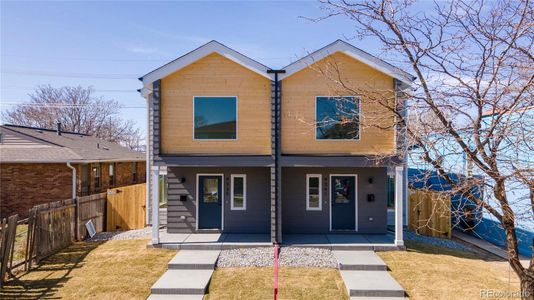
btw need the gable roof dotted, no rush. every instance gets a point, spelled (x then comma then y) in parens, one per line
(32, 144)
(200, 52)
(247, 62)
(354, 52)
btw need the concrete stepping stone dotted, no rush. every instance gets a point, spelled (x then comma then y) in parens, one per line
(194, 259)
(182, 282)
(359, 261)
(371, 284)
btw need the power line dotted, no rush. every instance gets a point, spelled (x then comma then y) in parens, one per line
(55, 105)
(121, 59)
(27, 88)
(72, 75)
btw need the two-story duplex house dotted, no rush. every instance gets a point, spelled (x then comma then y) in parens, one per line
(247, 149)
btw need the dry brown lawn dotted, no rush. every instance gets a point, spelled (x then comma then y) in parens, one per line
(110, 270)
(429, 272)
(295, 283)
(127, 270)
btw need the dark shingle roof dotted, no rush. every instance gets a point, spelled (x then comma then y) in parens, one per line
(30, 144)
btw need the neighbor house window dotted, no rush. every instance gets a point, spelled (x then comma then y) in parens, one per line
(337, 118)
(239, 192)
(134, 172)
(313, 192)
(112, 174)
(215, 118)
(97, 175)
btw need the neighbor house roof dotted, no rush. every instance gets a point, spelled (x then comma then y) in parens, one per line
(31, 145)
(249, 63)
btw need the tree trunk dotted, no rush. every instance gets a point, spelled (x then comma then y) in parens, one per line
(527, 286)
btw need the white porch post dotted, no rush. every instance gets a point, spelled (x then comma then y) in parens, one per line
(155, 204)
(399, 205)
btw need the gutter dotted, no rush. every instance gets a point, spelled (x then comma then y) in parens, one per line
(73, 179)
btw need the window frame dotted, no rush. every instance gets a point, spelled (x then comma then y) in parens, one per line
(98, 179)
(112, 177)
(232, 206)
(320, 177)
(236, 118)
(359, 119)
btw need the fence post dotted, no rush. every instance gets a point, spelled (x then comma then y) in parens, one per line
(77, 219)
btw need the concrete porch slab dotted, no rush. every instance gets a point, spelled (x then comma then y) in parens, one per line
(359, 260)
(306, 240)
(371, 284)
(182, 282)
(246, 240)
(194, 259)
(380, 238)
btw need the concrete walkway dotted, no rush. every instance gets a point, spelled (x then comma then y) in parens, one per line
(366, 277)
(187, 277)
(189, 273)
(221, 241)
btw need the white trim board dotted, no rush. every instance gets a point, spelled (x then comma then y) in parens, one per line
(355, 198)
(197, 200)
(232, 206)
(201, 52)
(354, 52)
(308, 176)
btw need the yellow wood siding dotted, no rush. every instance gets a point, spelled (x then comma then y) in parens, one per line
(215, 75)
(298, 107)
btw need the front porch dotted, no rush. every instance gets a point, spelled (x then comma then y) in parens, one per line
(218, 241)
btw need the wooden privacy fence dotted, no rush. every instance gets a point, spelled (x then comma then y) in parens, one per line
(429, 213)
(54, 226)
(126, 207)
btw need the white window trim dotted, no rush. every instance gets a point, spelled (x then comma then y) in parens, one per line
(236, 118)
(308, 176)
(339, 140)
(244, 176)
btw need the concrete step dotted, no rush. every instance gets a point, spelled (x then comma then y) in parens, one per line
(377, 298)
(194, 259)
(182, 282)
(359, 261)
(175, 297)
(371, 284)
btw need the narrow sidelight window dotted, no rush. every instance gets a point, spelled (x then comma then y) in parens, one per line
(313, 192)
(337, 118)
(97, 175)
(239, 192)
(215, 118)
(134, 172)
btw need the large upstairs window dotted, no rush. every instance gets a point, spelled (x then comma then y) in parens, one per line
(215, 118)
(337, 118)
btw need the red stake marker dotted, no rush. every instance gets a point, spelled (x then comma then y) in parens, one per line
(275, 271)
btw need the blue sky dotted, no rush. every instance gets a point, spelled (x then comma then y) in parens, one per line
(108, 45)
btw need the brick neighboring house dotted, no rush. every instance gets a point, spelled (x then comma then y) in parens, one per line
(40, 165)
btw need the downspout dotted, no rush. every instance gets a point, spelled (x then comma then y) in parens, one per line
(73, 179)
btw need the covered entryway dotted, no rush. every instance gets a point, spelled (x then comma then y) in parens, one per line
(343, 202)
(210, 201)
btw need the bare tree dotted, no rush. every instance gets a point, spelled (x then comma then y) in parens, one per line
(79, 111)
(472, 98)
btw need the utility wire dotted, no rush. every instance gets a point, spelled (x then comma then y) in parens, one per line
(54, 105)
(72, 75)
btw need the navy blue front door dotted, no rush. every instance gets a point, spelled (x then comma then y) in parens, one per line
(343, 201)
(209, 202)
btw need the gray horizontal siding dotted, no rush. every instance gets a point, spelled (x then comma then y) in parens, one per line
(182, 214)
(295, 218)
